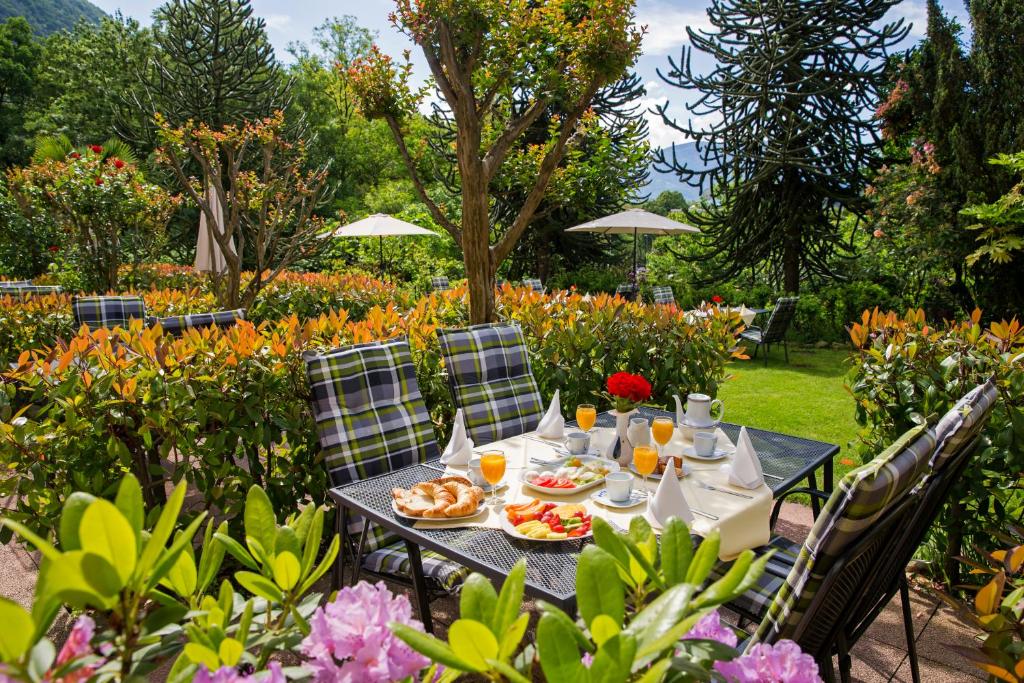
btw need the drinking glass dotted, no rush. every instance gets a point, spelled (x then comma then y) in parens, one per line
(662, 429)
(645, 459)
(492, 467)
(586, 416)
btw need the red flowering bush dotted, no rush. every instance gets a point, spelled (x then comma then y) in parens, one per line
(627, 390)
(717, 299)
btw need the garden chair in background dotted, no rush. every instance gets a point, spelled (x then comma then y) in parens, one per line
(107, 311)
(491, 380)
(774, 332)
(25, 291)
(534, 284)
(15, 283)
(177, 324)
(663, 295)
(371, 419)
(440, 284)
(627, 291)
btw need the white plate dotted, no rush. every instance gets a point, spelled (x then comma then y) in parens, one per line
(399, 513)
(553, 466)
(635, 498)
(719, 453)
(507, 527)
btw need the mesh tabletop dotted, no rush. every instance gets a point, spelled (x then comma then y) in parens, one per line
(551, 567)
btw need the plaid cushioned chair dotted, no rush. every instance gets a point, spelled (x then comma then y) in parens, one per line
(491, 380)
(371, 419)
(107, 311)
(440, 284)
(24, 291)
(534, 284)
(775, 331)
(626, 290)
(15, 283)
(177, 324)
(663, 295)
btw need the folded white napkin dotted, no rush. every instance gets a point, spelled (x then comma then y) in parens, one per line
(552, 425)
(746, 466)
(459, 450)
(668, 500)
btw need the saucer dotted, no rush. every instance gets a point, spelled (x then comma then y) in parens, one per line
(635, 498)
(690, 452)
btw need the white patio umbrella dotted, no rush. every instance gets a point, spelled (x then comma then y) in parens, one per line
(209, 256)
(379, 225)
(635, 222)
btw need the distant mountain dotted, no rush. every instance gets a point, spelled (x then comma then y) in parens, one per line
(48, 16)
(686, 154)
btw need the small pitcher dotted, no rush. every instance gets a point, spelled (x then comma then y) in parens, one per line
(699, 408)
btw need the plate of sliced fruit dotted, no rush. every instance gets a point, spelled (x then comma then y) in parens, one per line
(540, 521)
(569, 476)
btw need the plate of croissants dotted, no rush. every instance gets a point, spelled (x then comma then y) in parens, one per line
(682, 469)
(442, 498)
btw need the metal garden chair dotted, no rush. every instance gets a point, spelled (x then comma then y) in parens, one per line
(626, 290)
(371, 419)
(534, 284)
(663, 294)
(491, 380)
(440, 284)
(107, 311)
(774, 332)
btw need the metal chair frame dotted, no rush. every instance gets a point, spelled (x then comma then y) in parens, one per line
(774, 331)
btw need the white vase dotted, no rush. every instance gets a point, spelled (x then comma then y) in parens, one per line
(622, 433)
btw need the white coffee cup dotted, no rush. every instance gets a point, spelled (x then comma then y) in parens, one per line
(475, 475)
(704, 443)
(620, 486)
(577, 443)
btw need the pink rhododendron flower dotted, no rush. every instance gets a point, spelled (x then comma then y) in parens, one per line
(350, 642)
(710, 627)
(230, 674)
(783, 662)
(587, 659)
(78, 645)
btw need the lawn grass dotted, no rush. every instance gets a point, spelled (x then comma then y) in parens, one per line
(805, 398)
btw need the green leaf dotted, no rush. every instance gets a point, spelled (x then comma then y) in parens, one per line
(71, 518)
(641, 556)
(259, 585)
(107, 533)
(170, 556)
(230, 651)
(311, 540)
(582, 642)
(478, 599)
(614, 660)
(43, 546)
(603, 628)
(162, 530)
(510, 598)
(559, 656)
(704, 559)
(303, 522)
(676, 551)
(101, 575)
(473, 643)
(659, 616)
(608, 540)
(260, 522)
(200, 654)
(211, 557)
(724, 589)
(287, 541)
(286, 570)
(182, 577)
(63, 579)
(41, 659)
(129, 502)
(598, 588)
(657, 672)
(236, 550)
(17, 631)
(513, 636)
(506, 670)
(325, 564)
(429, 646)
(166, 615)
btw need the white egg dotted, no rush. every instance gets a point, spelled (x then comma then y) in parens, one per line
(531, 475)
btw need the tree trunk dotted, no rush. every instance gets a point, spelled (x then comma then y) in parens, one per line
(476, 229)
(791, 261)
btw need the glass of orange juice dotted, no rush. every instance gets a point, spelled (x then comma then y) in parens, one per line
(586, 416)
(492, 469)
(662, 429)
(645, 459)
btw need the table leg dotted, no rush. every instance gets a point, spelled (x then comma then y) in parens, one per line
(419, 585)
(812, 481)
(341, 529)
(829, 484)
(358, 564)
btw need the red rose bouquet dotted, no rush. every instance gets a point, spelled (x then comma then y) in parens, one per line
(627, 391)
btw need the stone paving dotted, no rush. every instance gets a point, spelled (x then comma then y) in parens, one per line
(881, 655)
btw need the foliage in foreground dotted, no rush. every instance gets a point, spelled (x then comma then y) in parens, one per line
(906, 371)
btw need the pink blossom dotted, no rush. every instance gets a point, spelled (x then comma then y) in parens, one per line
(78, 645)
(230, 674)
(587, 659)
(350, 642)
(783, 662)
(879, 233)
(710, 627)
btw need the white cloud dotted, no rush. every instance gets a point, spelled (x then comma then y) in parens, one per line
(913, 12)
(278, 22)
(660, 134)
(666, 26)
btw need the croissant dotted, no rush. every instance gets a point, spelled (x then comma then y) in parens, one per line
(675, 460)
(443, 499)
(467, 499)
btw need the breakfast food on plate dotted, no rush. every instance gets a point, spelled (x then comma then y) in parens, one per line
(439, 498)
(550, 521)
(573, 474)
(677, 460)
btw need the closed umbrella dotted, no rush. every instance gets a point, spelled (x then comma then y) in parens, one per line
(209, 256)
(635, 222)
(379, 225)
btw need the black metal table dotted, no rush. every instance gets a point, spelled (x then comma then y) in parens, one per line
(551, 568)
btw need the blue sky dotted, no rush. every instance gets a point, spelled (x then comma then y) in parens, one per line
(666, 21)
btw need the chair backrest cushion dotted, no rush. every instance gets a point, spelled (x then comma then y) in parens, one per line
(860, 498)
(440, 284)
(179, 323)
(663, 295)
(534, 284)
(782, 315)
(962, 423)
(370, 415)
(491, 380)
(25, 291)
(107, 311)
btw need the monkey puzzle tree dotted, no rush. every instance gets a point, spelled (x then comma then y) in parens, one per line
(793, 93)
(485, 56)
